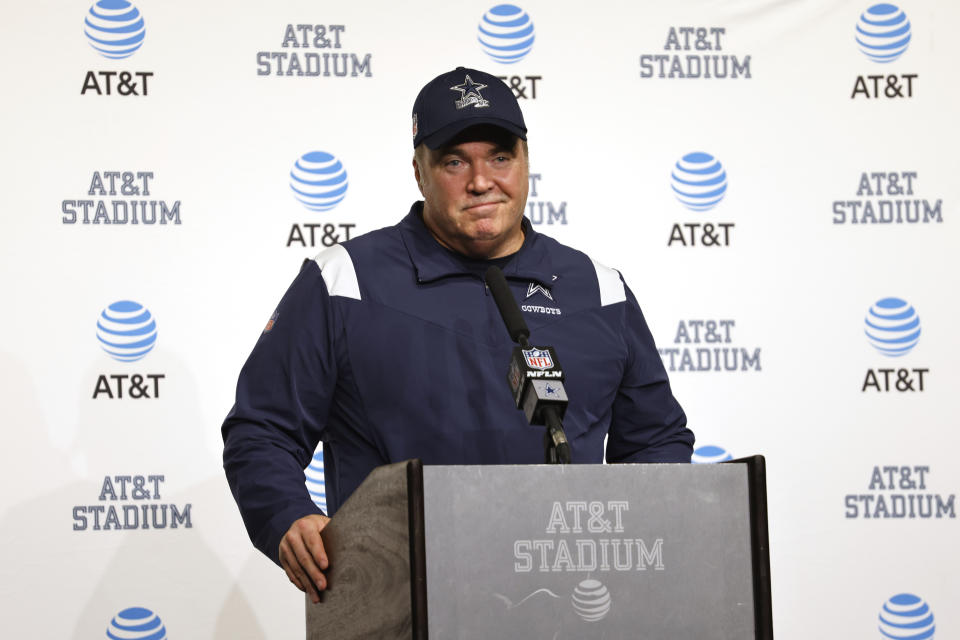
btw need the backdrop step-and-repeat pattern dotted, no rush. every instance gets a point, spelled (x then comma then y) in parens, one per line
(775, 180)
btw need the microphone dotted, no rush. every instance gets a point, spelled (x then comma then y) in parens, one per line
(535, 376)
(509, 311)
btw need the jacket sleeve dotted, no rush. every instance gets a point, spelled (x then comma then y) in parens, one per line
(283, 398)
(648, 424)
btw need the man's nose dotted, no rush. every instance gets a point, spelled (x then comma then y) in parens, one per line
(481, 180)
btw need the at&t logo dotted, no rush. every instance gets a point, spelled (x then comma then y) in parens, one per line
(699, 182)
(313, 477)
(591, 600)
(544, 211)
(131, 503)
(136, 623)
(900, 491)
(883, 34)
(906, 617)
(319, 182)
(127, 331)
(710, 454)
(588, 537)
(598, 547)
(506, 34)
(313, 64)
(713, 352)
(701, 59)
(892, 327)
(892, 200)
(116, 30)
(130, 208)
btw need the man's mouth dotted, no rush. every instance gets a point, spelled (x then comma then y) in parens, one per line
(480, 206)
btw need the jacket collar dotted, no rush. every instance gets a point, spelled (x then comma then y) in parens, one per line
(432, 261)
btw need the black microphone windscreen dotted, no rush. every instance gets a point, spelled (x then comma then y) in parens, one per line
(509, 311)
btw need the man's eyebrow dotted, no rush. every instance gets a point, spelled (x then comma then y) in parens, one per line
(498, 147)
(447, 151)
(502, 147)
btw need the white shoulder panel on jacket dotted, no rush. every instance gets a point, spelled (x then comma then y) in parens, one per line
(337, 270)
(611, 287)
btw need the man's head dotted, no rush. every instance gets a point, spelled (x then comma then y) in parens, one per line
(470, 163)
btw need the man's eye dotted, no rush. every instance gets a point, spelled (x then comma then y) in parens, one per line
(453, 163)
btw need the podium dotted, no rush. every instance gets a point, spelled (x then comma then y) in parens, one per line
(673, 551)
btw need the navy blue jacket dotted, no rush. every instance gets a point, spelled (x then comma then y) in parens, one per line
(390, 347)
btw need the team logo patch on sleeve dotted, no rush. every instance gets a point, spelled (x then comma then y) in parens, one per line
(272, 321)
(538, 358)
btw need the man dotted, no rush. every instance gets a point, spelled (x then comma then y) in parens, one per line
(390, 346)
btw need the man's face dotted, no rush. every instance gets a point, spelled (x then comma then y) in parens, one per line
(475, 190)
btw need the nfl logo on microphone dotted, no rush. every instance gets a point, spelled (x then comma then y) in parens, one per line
(538, 359)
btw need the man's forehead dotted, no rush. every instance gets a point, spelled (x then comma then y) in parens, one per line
(499, 138)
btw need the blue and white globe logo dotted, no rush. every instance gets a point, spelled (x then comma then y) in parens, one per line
(318, 180)
(699, 181)
(126, 330)
(892, 327)
(314, 480)
(114, 28)
(883, 32)
(906, 617)
(709, 453)
(136, 623)
(506, 33)
(591, 600)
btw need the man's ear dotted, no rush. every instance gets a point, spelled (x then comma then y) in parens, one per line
(416, 175)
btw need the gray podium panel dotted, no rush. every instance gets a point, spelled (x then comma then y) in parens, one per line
(588, 551)
(368, 546)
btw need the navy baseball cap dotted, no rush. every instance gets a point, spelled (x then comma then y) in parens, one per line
(462, 98)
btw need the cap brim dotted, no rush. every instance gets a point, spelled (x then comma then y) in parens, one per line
(443, 135)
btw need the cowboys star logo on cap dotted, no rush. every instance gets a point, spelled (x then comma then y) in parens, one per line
(470, 94)
(535, 287)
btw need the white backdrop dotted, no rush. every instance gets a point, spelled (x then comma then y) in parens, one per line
(215, 142)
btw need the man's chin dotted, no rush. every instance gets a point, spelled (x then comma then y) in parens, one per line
(486, 230)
